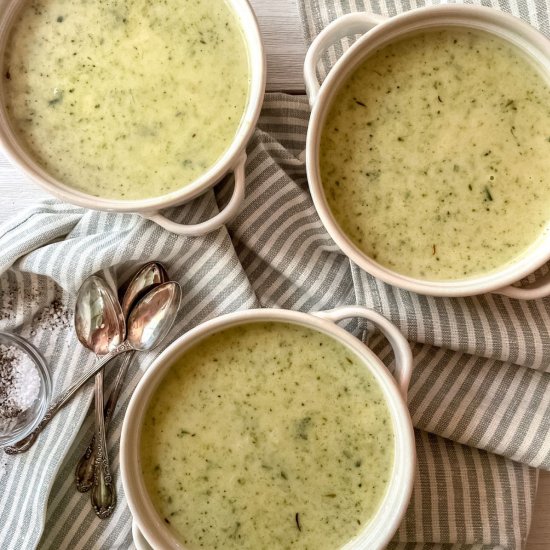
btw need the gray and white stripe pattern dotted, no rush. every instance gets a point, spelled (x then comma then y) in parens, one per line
(476, 384)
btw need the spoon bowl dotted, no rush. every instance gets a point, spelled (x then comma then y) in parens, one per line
(148, 277)
(98, 319)
(147, 323)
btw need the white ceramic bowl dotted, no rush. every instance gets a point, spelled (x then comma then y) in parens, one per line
(150, 530)
(233, 160)
(378, 31)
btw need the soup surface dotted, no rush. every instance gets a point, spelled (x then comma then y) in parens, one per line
(126, 99)
(267, 435)
(435, 155)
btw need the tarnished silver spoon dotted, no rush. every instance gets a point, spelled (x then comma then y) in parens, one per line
(100, 326)
(149, 276)
(148, 324)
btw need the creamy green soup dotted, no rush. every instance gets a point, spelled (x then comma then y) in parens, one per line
(126, 99)
(267, 435)
(435, 155)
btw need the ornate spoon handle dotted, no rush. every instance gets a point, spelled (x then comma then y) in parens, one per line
(84, 473)
(103, 493)
(26, 443)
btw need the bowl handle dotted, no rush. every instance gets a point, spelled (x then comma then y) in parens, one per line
(229, 212)
(139, 540)
(347, 25)
(539, 289)
(401, 348)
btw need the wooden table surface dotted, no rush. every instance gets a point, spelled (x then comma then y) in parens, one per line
(280, 26)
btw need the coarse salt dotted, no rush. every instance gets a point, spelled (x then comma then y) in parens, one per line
(19, 383)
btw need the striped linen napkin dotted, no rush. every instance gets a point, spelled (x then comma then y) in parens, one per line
(479, 395)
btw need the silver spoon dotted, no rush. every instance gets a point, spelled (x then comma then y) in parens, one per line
(100, 326)
(149, 276)
(148, 324)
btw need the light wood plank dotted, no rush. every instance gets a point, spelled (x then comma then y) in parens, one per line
(539, 536)
(284, 45)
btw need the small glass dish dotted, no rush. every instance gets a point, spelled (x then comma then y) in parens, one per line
(21, 425)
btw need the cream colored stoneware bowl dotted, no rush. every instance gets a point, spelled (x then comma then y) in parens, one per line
(150, 531)
(233, 160)
(378, 31)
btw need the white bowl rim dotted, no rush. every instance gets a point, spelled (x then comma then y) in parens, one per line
(443, 15)
(387, 519)
(17, 154)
